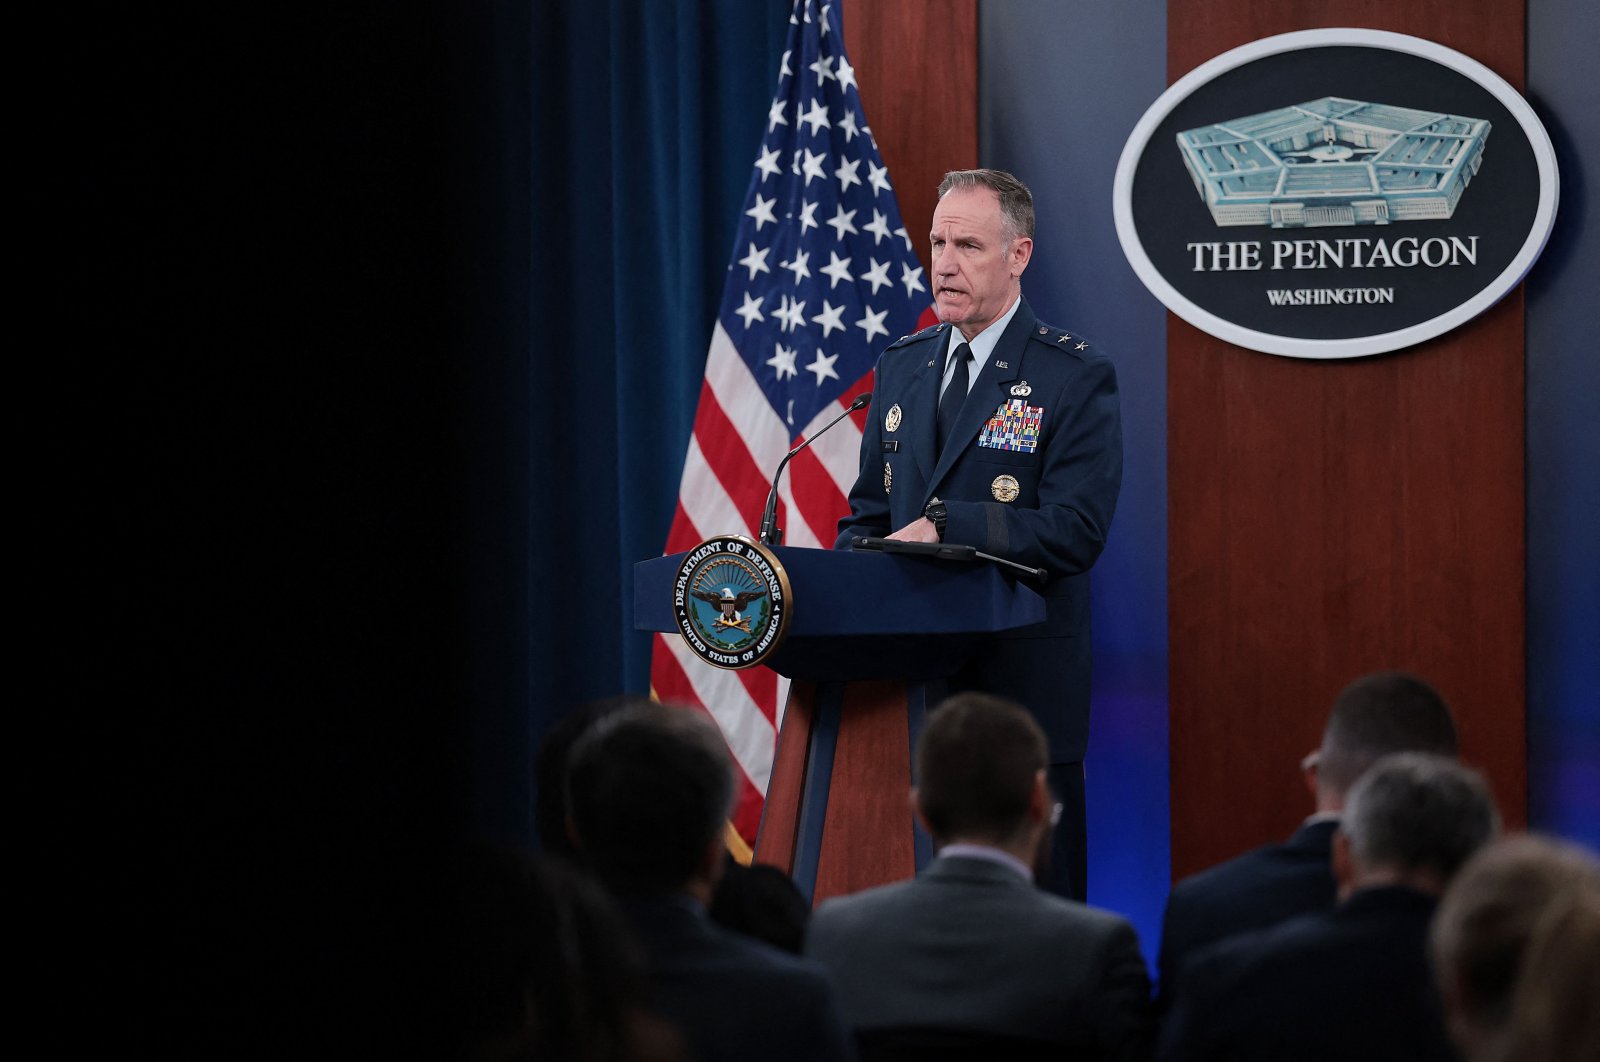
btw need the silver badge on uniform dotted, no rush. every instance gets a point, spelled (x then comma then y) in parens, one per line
(1021, 389)
(888, 477)
(891, 422)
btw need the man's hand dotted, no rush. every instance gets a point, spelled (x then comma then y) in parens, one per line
(919, 530)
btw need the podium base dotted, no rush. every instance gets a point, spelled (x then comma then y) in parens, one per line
(838, 813)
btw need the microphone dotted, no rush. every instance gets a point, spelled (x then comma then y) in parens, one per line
(771, 533)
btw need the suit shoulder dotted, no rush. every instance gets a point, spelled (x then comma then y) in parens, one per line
(860, 904)
(758, 958)
(1226, 878)
(842, 916)
(1081, 917)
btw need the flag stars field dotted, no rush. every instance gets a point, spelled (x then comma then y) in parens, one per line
(762, 212)
(756, 261)
(879, 228)
(812, 167)
(782, 362)
(768, 165)
(751, 310)
(823, 367)
(912, 279)
(817, 117)
(837, 270)
(878, 178)
(829, 319)
(843, 222)
(798, 266)
(878, 275)
(848, 174)
(872, 323)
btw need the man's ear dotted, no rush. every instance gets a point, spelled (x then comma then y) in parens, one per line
(1344, 866)
(1041, 805)
(914, 798)
(1308, 771)
(1020, 254)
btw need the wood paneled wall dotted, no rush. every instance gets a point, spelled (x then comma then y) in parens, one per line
(1327, 519)
(917, 67)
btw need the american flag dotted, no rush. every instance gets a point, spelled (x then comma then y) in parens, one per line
(823, 276)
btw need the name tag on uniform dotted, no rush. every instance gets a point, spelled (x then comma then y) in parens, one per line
(1014, 426)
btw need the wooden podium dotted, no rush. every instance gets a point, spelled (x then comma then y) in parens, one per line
(871, 635)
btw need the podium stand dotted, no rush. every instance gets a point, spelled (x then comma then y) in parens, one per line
(870, 637)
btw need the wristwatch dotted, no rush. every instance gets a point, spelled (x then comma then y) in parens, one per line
(938, 514)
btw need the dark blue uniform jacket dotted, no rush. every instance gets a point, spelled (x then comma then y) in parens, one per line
(1031, 473)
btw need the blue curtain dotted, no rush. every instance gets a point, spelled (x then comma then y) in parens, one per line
(635, 128)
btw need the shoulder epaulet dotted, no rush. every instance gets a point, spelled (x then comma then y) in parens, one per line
(1062, 339)
(933, 329)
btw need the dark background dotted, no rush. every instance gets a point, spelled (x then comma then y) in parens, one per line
(364, 372)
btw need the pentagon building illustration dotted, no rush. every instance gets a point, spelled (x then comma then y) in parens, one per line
(1334, 161)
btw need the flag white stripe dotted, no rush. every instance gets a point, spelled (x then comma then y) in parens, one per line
(796, 530)
(839, 451)
(704, 500)
(762, 433)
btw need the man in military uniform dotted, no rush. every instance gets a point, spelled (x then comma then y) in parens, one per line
(993, 430)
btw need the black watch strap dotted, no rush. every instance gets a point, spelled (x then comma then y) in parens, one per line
(938, 514)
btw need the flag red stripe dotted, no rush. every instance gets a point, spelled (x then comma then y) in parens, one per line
(684, 536)
(667, 677)
(817, 496)
(747, 798)
(762, 685)
(729, 459)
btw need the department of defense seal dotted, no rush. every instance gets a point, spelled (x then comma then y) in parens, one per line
(731, 602)
(891, 421)
(1005, 488)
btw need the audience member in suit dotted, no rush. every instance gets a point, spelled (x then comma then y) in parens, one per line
(550, 771)
(759, 901)
(649, 788)
(1354, 982)
(971, 944)
(1516, 944)
(763, 902)
(541, 966)
(1374, 716)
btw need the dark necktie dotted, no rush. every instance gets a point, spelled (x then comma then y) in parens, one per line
(954, 395)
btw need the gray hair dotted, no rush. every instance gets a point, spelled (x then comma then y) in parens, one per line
(1016, 202)
(1415, 811)
(1518, 934)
